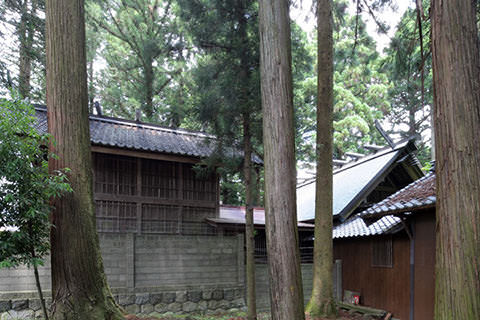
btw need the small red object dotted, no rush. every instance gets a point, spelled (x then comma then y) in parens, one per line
(356, 299)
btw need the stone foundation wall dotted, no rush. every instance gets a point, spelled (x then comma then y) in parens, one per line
(206, 300)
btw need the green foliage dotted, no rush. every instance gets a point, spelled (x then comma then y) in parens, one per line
(26, 186)
(226, 79)
(360, 91)
(226, 82)
(411, 111)
(145, 53)
(23, 22)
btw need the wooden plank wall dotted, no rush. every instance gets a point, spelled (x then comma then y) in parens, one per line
(424, 265)
(380, 287)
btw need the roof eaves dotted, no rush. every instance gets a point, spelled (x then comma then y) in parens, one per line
(350, 207)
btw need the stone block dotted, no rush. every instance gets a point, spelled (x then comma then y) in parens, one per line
(202, 305)
(217, 294)
(229, 294)
(127, 299)
(5, 305)
(161, 307)
(189, 306)
(207, 294)
(174, 307)
(34, 304)
(18, 305)
(169, 297)
(213, 304)
(238, 303)
(224, 304)
(155, 298)
(181, 296)
(147, 309)
(194, 296)
(239, 293)
(132, 309)
(142, 298)
(15, 315)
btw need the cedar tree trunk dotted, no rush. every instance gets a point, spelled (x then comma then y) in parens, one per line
(456, 76)
(26, 32)
(249, 223)
(286, 294)
(79, 287)
(244, 75)
(148, 79)
(321, 303)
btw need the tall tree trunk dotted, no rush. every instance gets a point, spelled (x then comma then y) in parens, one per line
(456, 78)
(286, 294)
(148, 102)
(26, 32)
(91, 87)
(321, 303)
(249, 225)
(247, 166)
(39, 286)
(79, 286)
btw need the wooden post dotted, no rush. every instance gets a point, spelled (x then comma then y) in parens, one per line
(240, 260)
(139, 194)
(338, 279)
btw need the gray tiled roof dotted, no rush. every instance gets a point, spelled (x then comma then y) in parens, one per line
(111, 132)
(349, 183)
(417, 195)
(356, 227)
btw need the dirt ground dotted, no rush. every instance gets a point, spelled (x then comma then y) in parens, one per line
(342, 315)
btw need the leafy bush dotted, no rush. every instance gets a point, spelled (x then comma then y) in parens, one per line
(26, 186)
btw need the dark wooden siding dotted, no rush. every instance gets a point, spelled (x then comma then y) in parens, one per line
(424, 264)
(380, 287)
(152, 196)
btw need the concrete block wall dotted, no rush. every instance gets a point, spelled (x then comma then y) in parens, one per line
(194, 260)
(153, 274)
(262, 285)
(150, 274)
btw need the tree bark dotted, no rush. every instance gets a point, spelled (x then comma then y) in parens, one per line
(321, 303)
(26, 32)
(148, 78)
(456, 78)
(247, 166)
(286, 294)
(249, 225)
(39, 286)
(79, 286)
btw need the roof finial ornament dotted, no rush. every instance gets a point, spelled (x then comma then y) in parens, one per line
(98, 108)
(384, 134)
(138, 115)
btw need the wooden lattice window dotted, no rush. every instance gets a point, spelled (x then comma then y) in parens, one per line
(115, 174)
(160, 179)
(198, 188)
(115, 216)
(160, 218)
(382, 252)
